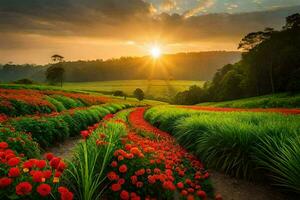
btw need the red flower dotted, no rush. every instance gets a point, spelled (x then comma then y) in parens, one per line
(54, 162)
(44, 189)
(4, 182)
(66, 195)
(123, 168)
(180, 185)
(47, 173)
(41, 164)
(13, 161)
(23, 188)
(184, 192)
(201, 194)
(37, 176)
(114, 164)
(121, 181)
(112, 176)
(124, 195)
(49, 156)
(14, 172)
(62, 189)
(3, 145)
(115, 187)
(85, 134)
(218, 197)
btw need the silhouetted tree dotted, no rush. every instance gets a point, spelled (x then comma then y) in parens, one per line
(139, 94)
(55, 73)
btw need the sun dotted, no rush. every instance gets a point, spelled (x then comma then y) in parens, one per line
(155, 52)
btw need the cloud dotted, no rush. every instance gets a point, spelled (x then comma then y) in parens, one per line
(59, 24)
(168, 5)
(202, 6)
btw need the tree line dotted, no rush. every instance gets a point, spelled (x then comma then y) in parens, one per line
(270, 64)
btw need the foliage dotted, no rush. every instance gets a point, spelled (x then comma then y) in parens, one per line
(55, 74)
(139, 94)
(241, 144)
(19, 142)
(88, 168)
(47, 130)
(18, 101)
(269, 64)
(281, 100)
(31, 179)
(25, 81)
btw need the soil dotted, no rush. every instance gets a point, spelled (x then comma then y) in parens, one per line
(235, 189)
(65, 149)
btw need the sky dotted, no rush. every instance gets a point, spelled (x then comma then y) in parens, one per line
(33, 30)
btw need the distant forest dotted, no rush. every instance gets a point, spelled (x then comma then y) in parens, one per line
(270, 64)
(181, 66)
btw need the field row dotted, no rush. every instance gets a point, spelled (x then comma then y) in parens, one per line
(242, 144)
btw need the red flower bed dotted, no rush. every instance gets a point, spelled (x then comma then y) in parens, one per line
(274, 110)
(32, 178)
(151, 165)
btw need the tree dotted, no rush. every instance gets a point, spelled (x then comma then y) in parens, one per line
(139, 94)
(55, 73)
(253, 39)
(57, 58)
(292, 21)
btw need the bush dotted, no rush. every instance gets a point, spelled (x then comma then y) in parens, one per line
(19, 142)
(24, 81)
(48, 130)
(68, 102)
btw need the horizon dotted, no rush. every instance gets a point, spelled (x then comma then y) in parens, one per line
(117, 58)
(31, 32)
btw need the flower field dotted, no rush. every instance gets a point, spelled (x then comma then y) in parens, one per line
(129, 152)
(17, 102)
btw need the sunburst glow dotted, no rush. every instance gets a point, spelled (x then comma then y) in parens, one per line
(155, 52)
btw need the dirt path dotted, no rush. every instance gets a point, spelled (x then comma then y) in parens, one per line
(234, 189)
(272, 110)
(65, 149)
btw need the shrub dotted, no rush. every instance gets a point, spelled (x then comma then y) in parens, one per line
(19, 142)
(30, 179)
(68, 102)
(25, 81)
(46, 130)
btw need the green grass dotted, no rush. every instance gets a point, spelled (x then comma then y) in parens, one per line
(282, 100)
(242, 144)
(154, 89)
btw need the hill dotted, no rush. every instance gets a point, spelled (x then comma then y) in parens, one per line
(181, 66)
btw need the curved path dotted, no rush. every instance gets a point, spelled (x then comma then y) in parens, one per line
(287, 111)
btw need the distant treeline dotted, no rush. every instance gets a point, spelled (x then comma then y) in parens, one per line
(182, 66)
(270, 64)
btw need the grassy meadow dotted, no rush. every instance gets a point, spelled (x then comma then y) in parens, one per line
(154, 89)
(281, 100)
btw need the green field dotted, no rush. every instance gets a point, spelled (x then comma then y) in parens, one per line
(283, 100)
(156, 89)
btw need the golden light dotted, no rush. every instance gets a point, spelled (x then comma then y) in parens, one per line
(155, 52)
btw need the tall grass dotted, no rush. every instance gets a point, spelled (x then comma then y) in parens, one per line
(87, 170)
(240, 144)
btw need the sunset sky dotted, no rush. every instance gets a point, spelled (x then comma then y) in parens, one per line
(32, 30)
